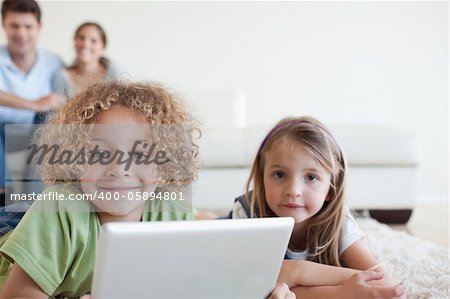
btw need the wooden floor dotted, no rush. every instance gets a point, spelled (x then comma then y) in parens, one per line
(429, 222)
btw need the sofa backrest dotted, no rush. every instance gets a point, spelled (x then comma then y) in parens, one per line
(227, 140)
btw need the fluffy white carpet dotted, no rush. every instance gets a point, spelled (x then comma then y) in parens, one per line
(423, 266)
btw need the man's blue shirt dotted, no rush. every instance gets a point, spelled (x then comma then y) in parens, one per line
(31, 86)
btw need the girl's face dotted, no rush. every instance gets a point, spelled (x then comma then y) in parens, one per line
(118, 129)
(295, 184)
(89, 45)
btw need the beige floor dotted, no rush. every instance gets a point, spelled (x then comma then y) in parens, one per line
(429, 222)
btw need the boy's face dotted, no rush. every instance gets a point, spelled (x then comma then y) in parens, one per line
(22, 31)
(295, 184)
(117, 130)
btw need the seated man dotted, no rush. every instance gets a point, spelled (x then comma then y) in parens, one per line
(25, 72)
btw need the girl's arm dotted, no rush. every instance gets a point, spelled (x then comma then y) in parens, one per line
(305, 273)
(355, 287)
(20, 285)
(359, 256)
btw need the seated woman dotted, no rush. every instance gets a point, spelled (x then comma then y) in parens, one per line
(90, 63)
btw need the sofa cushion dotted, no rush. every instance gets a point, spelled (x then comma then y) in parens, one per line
(376, 145)
(218, 108)
(222, 147)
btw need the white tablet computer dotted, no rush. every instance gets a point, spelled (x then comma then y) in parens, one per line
(238, 258)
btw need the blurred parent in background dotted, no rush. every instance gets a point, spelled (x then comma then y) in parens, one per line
(25, 72)
(90, 64)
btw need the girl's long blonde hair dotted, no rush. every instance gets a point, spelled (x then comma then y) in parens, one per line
(324, 228)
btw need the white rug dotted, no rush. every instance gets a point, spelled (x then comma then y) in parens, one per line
(422, 265)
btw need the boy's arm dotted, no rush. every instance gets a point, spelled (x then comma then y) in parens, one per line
(20, 285)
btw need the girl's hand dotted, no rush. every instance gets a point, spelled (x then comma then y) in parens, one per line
(282, 291)
(358, 287)
(86, 297)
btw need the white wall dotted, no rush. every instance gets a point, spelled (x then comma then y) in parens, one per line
(342, 62)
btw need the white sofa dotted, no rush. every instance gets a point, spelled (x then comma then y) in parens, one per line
(382, 160)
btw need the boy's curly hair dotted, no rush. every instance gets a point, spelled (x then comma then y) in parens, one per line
(172, 128)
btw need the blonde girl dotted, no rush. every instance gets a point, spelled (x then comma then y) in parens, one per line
(300, 172)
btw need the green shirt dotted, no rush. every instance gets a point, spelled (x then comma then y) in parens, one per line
(55, 242)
